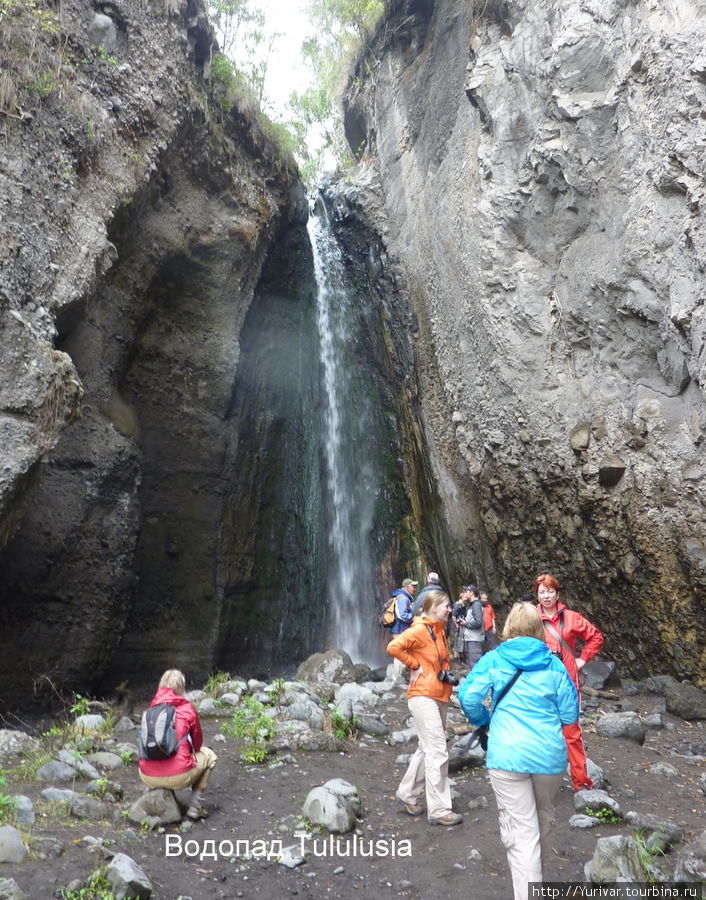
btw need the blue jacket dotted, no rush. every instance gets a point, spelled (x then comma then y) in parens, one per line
(525, 730)
(403, 611)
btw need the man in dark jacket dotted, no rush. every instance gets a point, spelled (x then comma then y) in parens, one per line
(403, 619)
(433, 584)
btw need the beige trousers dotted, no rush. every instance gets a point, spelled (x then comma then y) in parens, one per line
(526, 812)
(429, 767)
(196, 778)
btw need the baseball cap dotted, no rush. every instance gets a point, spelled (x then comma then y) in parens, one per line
(408, 581)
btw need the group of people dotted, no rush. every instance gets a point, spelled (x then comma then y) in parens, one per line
(525, 691)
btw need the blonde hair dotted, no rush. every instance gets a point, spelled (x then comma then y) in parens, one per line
(432, 599)
(175, 680)
(523, 621)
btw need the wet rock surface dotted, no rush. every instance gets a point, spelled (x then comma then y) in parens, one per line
(534, 172)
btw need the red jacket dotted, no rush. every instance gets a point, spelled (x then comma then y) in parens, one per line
(488, 616)
(187, 722)
(572, 627)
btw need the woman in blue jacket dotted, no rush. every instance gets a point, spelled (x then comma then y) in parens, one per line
(526, 756)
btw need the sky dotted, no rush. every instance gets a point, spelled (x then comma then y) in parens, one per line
(285, 71)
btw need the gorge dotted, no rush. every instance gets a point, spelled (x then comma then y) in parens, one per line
(520, 248)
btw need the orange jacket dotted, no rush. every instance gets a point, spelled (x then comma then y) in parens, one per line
(572, 627)
(415, 647)
(488, 616)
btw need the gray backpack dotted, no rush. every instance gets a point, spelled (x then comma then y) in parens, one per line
(158, 737)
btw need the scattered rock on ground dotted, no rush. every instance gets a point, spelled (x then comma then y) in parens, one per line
(623, 724)
(127, 878)
(335, 805)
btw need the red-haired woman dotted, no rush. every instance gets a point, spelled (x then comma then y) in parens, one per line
(563, 628)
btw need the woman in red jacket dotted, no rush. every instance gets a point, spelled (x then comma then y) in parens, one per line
(424, 650)
(562, 629)
(192, 764)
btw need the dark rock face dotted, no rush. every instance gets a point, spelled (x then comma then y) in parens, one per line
(156, 220)
(541, 194)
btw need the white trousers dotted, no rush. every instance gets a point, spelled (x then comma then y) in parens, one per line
(526, 812)
(429, 767)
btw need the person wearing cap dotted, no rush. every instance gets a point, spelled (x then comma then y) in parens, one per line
(433, 584)
(403, 619)
(491, 634)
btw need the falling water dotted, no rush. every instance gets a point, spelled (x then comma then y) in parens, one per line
(351, 469)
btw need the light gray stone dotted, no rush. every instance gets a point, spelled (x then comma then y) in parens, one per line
(12, 849)
(156, 807)
(59, 795)
(691, 862)
(15, 743)
(10, 890)
(24, 810)
(89, 723)
(124, 724)
(663, 770)
(332, 666)
(291, 857)
(615, 859)
(590, 801)
(45, 847)
(623, 724)
(104, 759)
(335, 805)
(373, 725)
(582, 821)
(88, 808)
(57, 771)
(403, 736)
(127, 878)
(684, 699)
(80, 764)
(102, 32)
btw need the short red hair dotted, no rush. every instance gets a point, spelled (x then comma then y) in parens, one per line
(548, 581)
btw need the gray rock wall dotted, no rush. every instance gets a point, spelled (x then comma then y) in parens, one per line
(536, 168)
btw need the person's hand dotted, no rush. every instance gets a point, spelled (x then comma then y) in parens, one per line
(580, 663)
(415, 674)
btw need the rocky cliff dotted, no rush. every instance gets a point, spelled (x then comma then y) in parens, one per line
(536, 170)
(138, 210)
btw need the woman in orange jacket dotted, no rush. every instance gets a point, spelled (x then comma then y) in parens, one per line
(563, 627)
(423, 649)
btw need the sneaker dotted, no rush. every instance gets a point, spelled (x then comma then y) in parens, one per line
(450, 818)
(196, 812)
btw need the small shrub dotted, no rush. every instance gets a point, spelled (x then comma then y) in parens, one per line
(98, 888)
(8, 804)
(344, 726)
(216, 682)
(250, 724)
(81, 706)
(606, 815)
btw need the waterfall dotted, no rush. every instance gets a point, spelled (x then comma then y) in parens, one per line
(353, 475)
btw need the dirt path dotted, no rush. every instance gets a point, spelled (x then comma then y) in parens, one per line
(249, 803)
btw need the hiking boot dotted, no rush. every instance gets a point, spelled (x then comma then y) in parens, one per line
(449, 818)
(196, 812)
(413, 809)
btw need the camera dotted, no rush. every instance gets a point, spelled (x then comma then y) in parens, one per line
(447, 676)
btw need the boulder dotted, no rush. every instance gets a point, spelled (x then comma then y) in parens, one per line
(589, 802)
(10, 890)
(623, 724)
(80, 764)
(297, 735)
(15, 743)
(362, 672)
(663, 770)
(373, 725)
(24, 810)
(57, 771)
(156, 807)
(124, 724)
(88, 808)
(595, 773)
(691, 862)
(89, 723)
(684, 699)
(12, 849)
(104, 759)
(404, 736)
(599, 673)
(661, 833)
(127, 878)
(59, 795)
(103, 33)
(304, 711)
(44, 847)
(291, 857)
(332, 666)
(462, 755)
(334, 805)
(582, 821)
(616, 858)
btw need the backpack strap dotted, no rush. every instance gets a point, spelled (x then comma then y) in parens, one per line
(552, 630)
(506, 689)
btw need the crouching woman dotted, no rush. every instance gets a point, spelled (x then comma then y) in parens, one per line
(192, 764)
(424, 650)
(526, 754)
